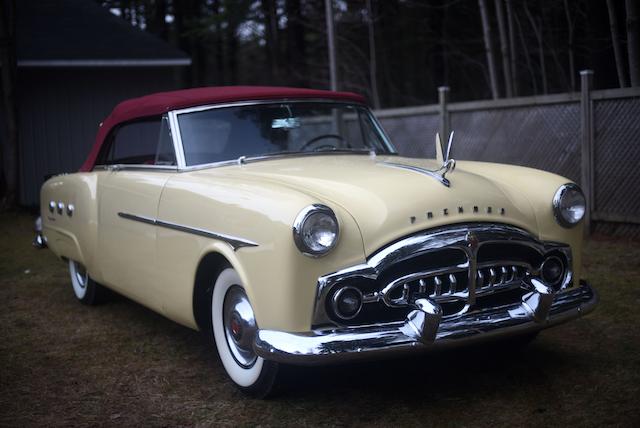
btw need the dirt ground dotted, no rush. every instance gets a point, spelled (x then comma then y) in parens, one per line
(62, 363)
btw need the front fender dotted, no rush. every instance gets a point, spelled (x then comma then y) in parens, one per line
(279, 280)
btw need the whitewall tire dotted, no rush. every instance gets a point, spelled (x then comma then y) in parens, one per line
(86, 290)
(234, 328)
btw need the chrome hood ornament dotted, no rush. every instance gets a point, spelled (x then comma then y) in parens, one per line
(448, 164)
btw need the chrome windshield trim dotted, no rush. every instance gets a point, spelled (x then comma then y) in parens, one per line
(235, 242)
(467, 238)
(269, 101)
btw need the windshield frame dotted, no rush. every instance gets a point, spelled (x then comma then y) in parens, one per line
(177, 137)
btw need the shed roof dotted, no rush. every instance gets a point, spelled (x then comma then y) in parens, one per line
(81, 33)
(159, 103)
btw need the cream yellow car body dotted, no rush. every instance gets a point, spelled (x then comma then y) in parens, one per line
(375, 203)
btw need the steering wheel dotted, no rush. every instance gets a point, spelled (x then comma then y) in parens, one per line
(321, 137)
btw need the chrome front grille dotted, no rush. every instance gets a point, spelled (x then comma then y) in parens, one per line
(455, 267)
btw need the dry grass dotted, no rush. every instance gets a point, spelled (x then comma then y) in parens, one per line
(62, 363)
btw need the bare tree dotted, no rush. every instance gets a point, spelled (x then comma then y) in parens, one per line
(504, 48)
(572, 61)
(512, 47)
(537, 27)
(633, 41)
(615, 41)
(373, 69)
(7, 69)
(491, 60)
(271, 38)
(525, 49)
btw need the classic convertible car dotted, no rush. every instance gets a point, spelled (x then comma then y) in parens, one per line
(283, 222)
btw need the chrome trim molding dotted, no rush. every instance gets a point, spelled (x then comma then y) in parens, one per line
(234, 242)
(467, 238)
(557, 198)
(136, 167)
(539, 309)
(299, 221)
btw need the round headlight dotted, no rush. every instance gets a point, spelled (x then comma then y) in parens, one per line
(315, 230)
(569, 205)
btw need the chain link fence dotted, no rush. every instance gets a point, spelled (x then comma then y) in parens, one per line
(592, 137)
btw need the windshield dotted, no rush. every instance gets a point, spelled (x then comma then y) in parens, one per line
(221, 134)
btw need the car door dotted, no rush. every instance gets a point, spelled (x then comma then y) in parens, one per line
(137, 162)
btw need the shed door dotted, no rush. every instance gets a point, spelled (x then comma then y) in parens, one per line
(138, 161)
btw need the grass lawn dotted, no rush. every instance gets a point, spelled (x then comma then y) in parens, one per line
(62, 363)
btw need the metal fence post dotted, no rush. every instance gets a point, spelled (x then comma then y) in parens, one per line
(445, 124)
(587, 170)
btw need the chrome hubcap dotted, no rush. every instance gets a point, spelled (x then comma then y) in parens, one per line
(239, 326)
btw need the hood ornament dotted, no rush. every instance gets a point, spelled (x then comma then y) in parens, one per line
(448, 164)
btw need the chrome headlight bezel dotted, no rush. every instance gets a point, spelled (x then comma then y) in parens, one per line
(299, 226)
(562, 193)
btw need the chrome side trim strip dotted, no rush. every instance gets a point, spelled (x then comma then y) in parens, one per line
(234, 242)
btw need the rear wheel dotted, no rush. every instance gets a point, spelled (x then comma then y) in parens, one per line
(86, 290)
(234, 331)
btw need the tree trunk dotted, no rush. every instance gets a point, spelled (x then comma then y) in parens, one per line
(373, 68)
(9, 156)
(491, 60)
(504, 48)
(633, 41)
(155, 17)
(572, 61)
(615, 41)
(512, 47)
(271, 39)
(527, 56)
(296, 47)
(537, 31)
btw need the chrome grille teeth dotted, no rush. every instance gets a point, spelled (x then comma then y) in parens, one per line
(438, 286)
(503, 278)
(453, 282)
(405, 292)
(492, 279)
(448, 286)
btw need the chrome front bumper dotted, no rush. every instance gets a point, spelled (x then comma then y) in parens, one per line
(423, 330)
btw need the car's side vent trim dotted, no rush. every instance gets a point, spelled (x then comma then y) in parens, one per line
(235, 242)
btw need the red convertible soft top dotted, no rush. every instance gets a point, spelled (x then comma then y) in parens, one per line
(159, 103)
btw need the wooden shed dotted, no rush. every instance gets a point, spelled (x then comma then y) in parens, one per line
(76, 61)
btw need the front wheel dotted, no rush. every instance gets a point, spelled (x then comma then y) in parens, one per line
(234, 331)
(87, 291)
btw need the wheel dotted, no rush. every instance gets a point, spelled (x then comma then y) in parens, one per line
(87, 291)
(234, 329)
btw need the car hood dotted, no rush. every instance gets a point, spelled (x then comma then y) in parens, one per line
(388, 201)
